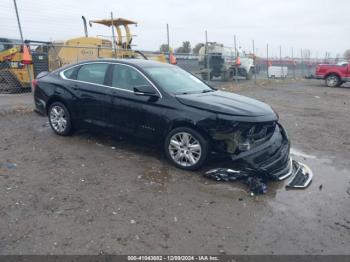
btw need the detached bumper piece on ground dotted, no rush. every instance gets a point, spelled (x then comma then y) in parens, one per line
(268, 161)
(301, 177)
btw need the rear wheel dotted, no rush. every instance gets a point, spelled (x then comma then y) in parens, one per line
(60, 120)
(186, 148)
(250, 74)
(333, 81)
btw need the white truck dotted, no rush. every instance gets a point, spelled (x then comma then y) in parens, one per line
(222, 62)
(278, 71)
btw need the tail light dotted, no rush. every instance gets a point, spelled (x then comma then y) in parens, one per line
(34, 83)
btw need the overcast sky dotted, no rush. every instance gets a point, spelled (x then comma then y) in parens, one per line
(319, 25)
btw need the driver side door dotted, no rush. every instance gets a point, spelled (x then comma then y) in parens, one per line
(138, 115)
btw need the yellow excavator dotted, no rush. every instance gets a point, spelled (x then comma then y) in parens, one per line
(48, 56)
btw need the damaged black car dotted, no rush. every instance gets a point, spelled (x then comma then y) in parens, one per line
(164, 104)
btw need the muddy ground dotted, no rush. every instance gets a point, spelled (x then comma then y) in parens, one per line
(90, 193)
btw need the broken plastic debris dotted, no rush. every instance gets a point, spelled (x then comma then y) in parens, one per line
(256, 186)
(224, 174)
(132, 221)
(302, 176)
(10, 165)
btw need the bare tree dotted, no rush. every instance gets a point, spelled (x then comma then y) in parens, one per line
(196, 48)
(347, 54)
(164, 48)
(185, 48)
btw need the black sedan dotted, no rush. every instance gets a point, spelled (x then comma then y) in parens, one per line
(164, 104)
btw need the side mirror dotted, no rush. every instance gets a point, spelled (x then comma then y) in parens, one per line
(145, 90)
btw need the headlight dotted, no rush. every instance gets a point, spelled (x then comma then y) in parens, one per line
(244, 146)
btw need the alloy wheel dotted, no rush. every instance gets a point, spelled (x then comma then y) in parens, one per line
(58, 119)
(185, 149)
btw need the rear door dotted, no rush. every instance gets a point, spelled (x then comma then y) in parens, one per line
(94, 96)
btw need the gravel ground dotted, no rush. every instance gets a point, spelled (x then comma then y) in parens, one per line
(91, 193)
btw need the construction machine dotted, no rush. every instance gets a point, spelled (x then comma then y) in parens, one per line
(48, 56)
(86, 48)
(223, 62)
(14, 74)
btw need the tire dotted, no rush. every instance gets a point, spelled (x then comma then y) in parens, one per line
(225, 76)
(189, 155)
(250, 74)
(60, 119)
(332, 80)
(340, 83)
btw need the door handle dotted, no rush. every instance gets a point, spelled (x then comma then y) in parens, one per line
(75, 87)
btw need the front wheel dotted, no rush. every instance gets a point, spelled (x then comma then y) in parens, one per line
(332, 81)
(186, 148)
(249, 75)
(60, 120)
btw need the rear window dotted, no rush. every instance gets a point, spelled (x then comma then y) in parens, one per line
(92, 73)
(70, 73)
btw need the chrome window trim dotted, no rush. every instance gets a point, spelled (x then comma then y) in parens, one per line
(110, 63)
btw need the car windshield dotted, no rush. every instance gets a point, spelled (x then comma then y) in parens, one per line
(177, 81)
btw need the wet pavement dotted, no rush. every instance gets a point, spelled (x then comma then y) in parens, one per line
(90, 193)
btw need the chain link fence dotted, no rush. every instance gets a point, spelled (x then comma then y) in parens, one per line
(213, 63)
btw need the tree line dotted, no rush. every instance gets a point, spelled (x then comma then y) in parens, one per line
(184, 49)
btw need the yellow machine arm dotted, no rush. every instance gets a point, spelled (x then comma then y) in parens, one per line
(117, 23)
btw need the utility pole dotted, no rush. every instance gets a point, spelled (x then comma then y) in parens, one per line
(113, 36)
(168, 40)
(236, 66)
(281, 62)
(22, 39)
(294, 64)
(207, 55)
(267, 60)
(254, 62)
(301, 62)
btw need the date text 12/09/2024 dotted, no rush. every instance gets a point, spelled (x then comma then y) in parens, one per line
(173, 258)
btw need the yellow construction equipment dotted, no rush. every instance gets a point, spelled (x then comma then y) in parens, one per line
(13, 73)
(49, 56)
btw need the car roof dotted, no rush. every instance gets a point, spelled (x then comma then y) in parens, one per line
(131, 61)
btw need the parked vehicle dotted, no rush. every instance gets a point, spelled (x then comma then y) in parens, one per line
(334, 75)
(168, 106)
(222, 62)
(278, 71)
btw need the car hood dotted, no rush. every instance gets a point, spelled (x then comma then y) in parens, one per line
(228, 103)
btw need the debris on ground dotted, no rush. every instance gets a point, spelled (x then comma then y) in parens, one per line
(302, 176)
(10, 165)
(224, 174)
(256, 185)
(256, 179)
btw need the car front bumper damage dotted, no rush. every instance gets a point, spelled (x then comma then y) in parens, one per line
(272, 160)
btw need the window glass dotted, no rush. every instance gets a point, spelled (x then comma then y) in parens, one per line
(176, 80)
(127, 78)
(69, 73)
(92, 73)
